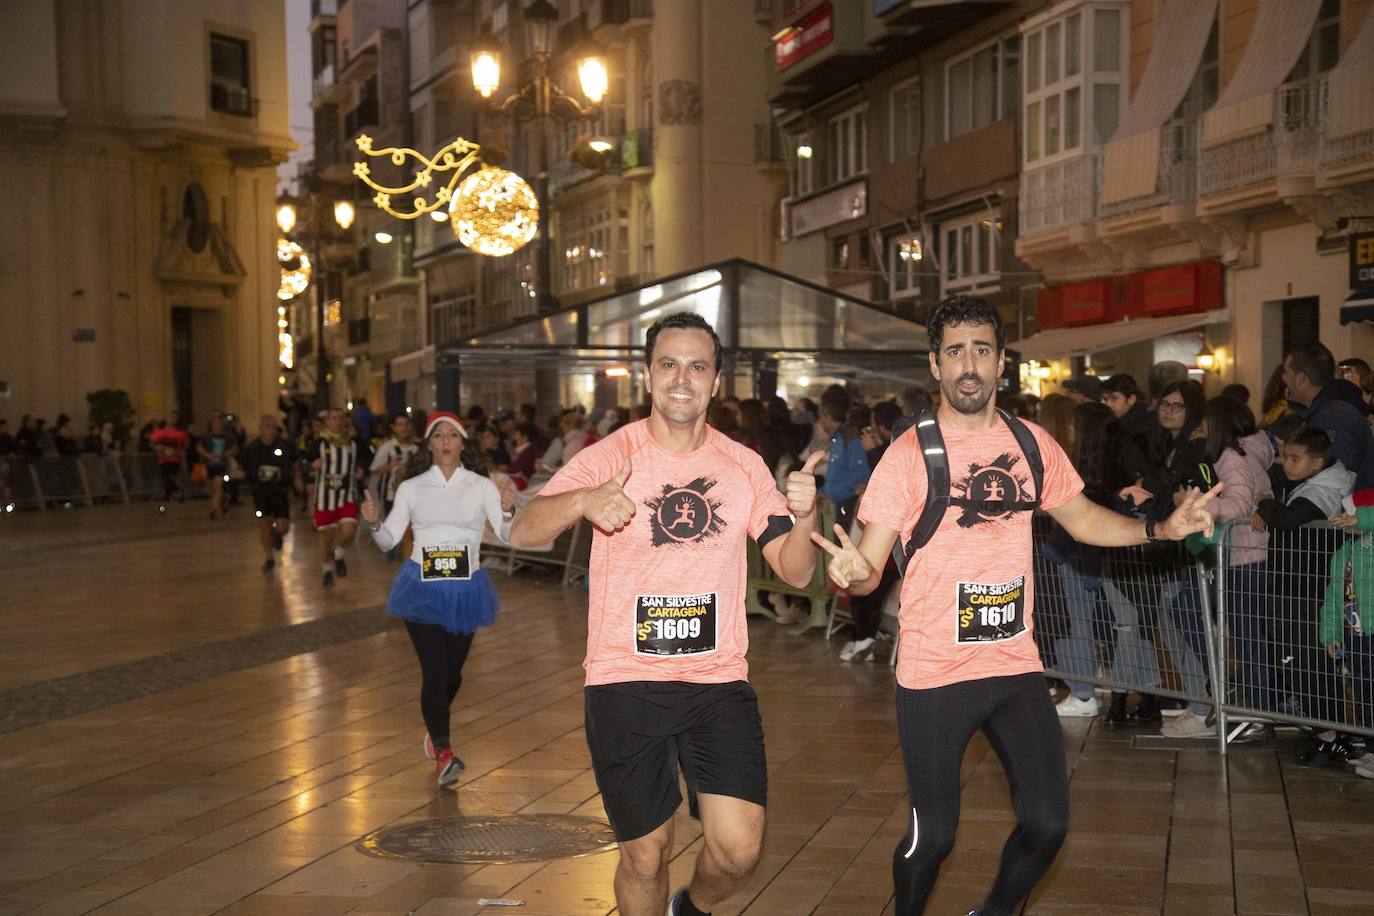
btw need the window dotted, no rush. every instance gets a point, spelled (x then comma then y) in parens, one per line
(1324, 47)
(981, 87)
(969, 254)
(1202, 93)
(646, 240)
(229, 72)
(905, 254)
(839, 258)
(1075, 81)
(845, 153)
(801, 174)
(452, 315)
(904, 120)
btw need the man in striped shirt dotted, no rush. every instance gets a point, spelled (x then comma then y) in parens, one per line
(337, 472)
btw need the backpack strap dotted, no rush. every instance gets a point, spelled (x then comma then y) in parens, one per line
(1025, 439)
(932, 446)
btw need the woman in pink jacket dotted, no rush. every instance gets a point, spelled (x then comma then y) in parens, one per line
(1241, 455)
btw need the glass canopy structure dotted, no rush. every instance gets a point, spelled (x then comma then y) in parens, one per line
(780, 333)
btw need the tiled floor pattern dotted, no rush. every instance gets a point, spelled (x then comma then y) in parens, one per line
(244, 792)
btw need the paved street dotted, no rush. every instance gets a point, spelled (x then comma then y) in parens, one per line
(180, 734)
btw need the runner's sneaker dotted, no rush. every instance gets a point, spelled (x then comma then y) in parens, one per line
(269, 564)
(1187, 725)
(1365, 768)
(430, 752)
(1253, 733)
(328, 578)
(446, 768)
(857, 650)
(675, 905)
(1324, 753)
(1071, 707)
(340, 567)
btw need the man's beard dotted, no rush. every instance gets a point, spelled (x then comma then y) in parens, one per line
(967, 403)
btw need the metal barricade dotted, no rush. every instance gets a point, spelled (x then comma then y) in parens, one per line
(62, 481)
(1131, 619)
(19, 486)
(1296, 641)
(141, 475)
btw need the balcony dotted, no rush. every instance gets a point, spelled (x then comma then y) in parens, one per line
(769, 149)
(367, 116)
(334, 159)
(1279, 153)
(359, 331)
(323, 8)
(1060, 195)
(1177, 171)
(232, 99)
(1345, 129)
(324, 80)
(395, 327)
(637, 153)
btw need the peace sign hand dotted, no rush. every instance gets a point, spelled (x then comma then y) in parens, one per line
(801, 487)
(846, 563)
(1191, 516)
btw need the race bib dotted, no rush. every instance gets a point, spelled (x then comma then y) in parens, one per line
(675, 624)
(269, 473)
(334, 481)
(988, 613)
(441, 563)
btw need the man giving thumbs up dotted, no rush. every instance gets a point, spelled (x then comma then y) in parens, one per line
(673, 503)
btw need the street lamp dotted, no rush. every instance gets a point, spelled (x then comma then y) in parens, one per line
(539, 99)
(307, 214)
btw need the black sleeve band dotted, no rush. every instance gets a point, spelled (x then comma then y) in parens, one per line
(778, 525)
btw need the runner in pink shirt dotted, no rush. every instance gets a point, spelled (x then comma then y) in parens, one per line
(673, 502)
(967, 657)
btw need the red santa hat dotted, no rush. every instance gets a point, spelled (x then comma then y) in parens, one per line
(443, 416)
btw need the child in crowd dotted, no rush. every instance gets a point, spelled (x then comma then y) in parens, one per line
(1304, 675)
(1347, 618)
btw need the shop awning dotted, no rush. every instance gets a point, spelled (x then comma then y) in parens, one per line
(752, 307)
(1062, 343)
(1131, 159)
(1358, 307)
(1276, 41)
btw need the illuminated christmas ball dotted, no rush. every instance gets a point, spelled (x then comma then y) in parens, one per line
(494, 212)
(295, 269)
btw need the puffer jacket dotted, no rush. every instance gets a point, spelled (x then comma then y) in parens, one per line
(1245, 477)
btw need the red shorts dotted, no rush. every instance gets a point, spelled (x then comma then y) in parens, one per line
(326, 517)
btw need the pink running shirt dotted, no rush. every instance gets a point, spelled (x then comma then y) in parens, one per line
(967, 598)
(667, 593)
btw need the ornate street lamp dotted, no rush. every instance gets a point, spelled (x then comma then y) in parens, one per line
(539, 99)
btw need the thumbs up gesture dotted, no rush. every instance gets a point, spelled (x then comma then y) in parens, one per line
(607, 507)
(801, 487)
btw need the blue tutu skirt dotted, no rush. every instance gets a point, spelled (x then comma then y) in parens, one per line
(458, 605)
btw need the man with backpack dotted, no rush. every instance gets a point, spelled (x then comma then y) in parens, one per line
(959, 490)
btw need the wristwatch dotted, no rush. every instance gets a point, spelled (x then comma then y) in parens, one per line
(1150, 534)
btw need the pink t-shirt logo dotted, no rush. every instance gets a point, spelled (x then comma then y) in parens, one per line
(684, 514)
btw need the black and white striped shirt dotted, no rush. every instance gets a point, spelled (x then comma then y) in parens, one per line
(334, 481)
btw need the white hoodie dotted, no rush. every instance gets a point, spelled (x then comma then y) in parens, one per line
(1327, 489)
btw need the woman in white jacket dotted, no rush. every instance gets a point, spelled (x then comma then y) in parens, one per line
(441, 592)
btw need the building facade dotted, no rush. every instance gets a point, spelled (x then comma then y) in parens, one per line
(141, 250)
(1195, 174)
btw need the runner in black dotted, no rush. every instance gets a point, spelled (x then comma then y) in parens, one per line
(269, 462)
(337, 472)
(967, 658)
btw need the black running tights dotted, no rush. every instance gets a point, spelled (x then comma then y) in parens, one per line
(935, 725)
(441, 655)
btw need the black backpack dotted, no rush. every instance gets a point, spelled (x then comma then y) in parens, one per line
(932, 446)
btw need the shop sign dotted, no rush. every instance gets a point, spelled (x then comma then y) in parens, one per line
(1361, 260)
(834, 206)
(812, 32)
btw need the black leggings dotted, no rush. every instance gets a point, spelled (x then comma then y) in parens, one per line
(935, 725)
(441, 655)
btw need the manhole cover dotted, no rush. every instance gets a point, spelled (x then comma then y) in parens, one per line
(498, 840)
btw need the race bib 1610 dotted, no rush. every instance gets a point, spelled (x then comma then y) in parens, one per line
(991, 612)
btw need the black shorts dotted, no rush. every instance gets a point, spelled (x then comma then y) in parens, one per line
(272, 503)
(639, 731)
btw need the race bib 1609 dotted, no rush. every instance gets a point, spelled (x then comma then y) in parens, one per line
(990, 612)
(675, 624)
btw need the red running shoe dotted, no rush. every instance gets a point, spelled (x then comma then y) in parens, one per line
(446, 768)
